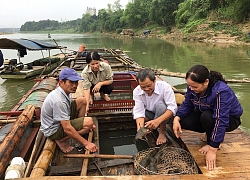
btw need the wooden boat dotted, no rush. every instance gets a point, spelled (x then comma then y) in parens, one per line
(15, 69)
(46, 161)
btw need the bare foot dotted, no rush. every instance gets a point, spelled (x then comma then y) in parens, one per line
(204, 137)
(161, 139)
(64, 146)
(204, 149)
(93, 127)
(105, 97)
(91, 99)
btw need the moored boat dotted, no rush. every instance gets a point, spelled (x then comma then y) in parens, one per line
(16, 69)
(115, 117)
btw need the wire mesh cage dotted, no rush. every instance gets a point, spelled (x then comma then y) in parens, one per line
(165, 161)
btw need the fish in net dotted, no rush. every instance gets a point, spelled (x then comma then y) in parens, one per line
(165, 161)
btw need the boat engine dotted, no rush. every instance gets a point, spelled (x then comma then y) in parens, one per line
(12, 65)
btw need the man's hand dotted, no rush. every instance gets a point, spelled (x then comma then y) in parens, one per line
(91, 147)
(153, 124)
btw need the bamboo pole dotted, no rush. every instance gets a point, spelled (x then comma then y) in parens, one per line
(6, 121)
(104, 156)
(245, 80)
(11, 141)
(183, 75)
(172, 74)
(44, 159)
(86, 161)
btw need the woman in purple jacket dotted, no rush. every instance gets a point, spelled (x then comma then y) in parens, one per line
(210, 106)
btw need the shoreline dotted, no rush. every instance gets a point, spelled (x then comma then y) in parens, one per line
(219, 39)
(201, 37)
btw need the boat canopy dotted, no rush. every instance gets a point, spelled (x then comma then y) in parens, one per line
(23, 44)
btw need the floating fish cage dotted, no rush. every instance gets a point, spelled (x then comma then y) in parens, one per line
(171, 161)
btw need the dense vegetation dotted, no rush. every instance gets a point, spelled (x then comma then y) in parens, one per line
(138, 14)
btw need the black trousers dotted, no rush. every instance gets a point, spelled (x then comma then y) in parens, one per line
(204, 122)
(104, 89)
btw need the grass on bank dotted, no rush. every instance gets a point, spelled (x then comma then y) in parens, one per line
(193, 28)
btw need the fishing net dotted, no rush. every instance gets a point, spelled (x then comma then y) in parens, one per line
(167, 160)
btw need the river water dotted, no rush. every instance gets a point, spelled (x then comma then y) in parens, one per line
(175, 56)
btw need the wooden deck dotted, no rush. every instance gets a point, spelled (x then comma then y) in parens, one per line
(233, 157)
(233, 161)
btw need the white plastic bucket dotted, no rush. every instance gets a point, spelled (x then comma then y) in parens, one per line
(16, 168)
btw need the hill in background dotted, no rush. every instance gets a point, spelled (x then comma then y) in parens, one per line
(9, 30)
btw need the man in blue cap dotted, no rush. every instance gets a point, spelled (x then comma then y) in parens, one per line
(62, 117)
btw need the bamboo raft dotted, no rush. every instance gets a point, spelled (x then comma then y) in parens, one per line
(45, 161)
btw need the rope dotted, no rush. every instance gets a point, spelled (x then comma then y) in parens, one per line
(26, 118)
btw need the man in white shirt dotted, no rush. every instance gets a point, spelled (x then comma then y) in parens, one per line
(154, 103)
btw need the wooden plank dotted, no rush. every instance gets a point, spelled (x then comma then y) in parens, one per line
(62, 170)
(113, 162)
(34, 151)
(232, 157)
(104, 156)
(96, 133)
(86, 161)
(29, 142)
(11, 113)
(231, 176)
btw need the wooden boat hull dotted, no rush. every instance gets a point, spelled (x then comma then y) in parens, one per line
(35, 71)
(116, 116)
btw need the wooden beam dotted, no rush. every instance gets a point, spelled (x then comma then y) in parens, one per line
(211, 176)
(86, 161)
(106, 156)
(11, 113)
(67, 170)
(28, 143)
(38, 140)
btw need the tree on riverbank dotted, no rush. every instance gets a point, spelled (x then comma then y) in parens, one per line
(186, 15)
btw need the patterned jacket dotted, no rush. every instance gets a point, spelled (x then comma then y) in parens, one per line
(219, 98)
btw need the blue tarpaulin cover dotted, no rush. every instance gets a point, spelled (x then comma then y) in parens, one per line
(21, 44)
